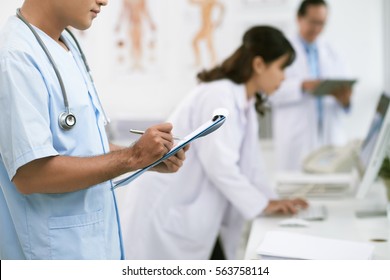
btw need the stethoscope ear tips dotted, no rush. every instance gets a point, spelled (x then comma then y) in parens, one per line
(67, 120)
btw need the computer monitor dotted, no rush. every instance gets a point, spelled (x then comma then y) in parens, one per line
(375, 146)
(388, 149)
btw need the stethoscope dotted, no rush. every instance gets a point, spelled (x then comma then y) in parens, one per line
(66, 119)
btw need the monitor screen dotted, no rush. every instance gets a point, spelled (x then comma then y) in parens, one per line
(374, 146)
(373, 132)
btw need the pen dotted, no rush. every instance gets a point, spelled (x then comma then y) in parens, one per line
(136, 131)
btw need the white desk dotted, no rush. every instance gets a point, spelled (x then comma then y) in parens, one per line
(341, 223)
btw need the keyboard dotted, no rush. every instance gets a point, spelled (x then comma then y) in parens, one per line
(312, 190)
(312, 213)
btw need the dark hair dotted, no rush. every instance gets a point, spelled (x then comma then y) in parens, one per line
(302, 10)
(265, 41)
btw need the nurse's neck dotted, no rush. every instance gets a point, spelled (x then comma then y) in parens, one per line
(41, 17)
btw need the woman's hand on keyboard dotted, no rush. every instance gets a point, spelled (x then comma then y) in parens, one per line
(285, 206)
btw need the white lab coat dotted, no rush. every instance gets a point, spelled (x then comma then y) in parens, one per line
(295, 121)
(222, 183)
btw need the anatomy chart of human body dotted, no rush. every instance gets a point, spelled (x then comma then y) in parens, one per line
(136, 18)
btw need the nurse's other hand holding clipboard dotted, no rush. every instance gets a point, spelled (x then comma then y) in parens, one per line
(173, 163)
(153, 145)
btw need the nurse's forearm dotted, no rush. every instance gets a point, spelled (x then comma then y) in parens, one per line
(114, 147)
(62, 174)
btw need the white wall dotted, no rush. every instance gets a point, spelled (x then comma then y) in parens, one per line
(8, 8)
(355, 27)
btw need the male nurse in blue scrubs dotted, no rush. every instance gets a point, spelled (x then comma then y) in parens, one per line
(56, 197)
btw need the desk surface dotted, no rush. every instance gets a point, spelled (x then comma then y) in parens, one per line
(341, 223)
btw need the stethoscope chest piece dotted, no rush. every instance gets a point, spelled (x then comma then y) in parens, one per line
(66, 120)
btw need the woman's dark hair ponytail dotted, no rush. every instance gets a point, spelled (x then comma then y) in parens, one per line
(265, 41)
(237, 68)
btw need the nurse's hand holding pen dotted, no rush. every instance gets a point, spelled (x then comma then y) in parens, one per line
(155, 142)
(62, 174)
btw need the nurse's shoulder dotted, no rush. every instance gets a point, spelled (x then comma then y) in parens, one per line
(15, 42)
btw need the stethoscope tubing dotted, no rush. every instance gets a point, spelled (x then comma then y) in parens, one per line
(63, 124)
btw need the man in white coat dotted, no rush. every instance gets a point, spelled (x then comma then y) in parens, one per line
(301, 121)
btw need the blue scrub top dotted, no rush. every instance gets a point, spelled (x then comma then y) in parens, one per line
(76, 225)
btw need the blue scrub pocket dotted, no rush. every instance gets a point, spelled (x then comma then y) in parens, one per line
(77, 237)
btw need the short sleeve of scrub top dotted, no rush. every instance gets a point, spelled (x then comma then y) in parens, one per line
(25, 122)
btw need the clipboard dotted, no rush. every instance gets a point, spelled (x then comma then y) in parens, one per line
(216, 122)
(327, 86)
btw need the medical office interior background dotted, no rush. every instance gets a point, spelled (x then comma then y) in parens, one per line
(138, 94)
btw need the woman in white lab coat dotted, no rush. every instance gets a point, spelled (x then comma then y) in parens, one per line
(223, 182)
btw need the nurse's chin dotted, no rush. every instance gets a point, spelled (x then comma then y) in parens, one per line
(83, 26)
